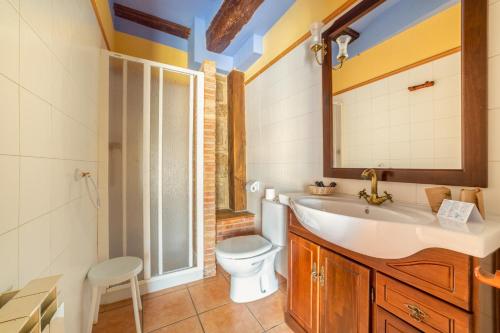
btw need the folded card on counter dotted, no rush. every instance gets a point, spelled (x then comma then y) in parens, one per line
(459, 211)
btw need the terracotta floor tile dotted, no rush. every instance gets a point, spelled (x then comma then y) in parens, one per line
(230, 318)
(281, 279)
(167, 309)
(119, 320)
(210, 294)
(191, 325)
(163, 292)
(283, 328)
(206, 280)
(269, 311)
(283, 287)
(116, 305)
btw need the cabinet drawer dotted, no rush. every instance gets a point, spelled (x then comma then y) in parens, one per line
(442, 273)
(422, 311)
(388, 323)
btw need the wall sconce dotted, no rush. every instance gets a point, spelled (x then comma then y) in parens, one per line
(319, 47)
(342, 42)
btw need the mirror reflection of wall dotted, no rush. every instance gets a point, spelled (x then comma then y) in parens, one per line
(397, 99)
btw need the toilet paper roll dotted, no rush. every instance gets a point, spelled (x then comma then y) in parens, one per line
(253, 186)
(270, 193)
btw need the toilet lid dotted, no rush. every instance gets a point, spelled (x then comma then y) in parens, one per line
(243, 247)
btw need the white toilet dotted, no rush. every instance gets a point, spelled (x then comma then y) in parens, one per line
(250, 259)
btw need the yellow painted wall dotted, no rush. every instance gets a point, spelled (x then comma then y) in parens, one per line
(103, 14)
(134, 46)
(145, 49)
(433, 36)
(291, 27)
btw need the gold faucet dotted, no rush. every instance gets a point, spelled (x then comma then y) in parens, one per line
(373, 198)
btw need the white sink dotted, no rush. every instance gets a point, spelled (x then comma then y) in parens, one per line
(392, 230)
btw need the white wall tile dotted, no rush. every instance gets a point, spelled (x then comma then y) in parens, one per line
(400, 115)
(51, 48)
(446, 66)
(35, 188)
(447, 107)
(398, 99)
(62, 222)
(494, 29)
(447, 87)
(38, 14)
(35, 125)
(420, 74)
(63, 186)
(9, 35)
(34, 249)
(422, 111)
(9, 116)
(494, 135)
(9, 259)
(448, 127)
(422, 131)
(9, 193)
(398, 82)
(35, 71)
(447, 148)
(15, 3)
(494, 82)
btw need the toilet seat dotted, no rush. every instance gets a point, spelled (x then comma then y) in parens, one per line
(241, 247)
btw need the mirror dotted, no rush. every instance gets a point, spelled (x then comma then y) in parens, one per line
(398, 102)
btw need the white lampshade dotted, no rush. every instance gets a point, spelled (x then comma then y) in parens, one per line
(316, 32)
(342, 42)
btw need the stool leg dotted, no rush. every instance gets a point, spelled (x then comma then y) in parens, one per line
(138, 292)
(98, 303)
(136, 306)
(93, 304)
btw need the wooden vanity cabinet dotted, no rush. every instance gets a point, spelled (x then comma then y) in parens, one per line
(389, 323)
(344, 294)
(331, 289)
(327, 293)
(302, 282)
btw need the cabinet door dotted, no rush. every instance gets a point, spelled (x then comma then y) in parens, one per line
(302, 282)
(344, 295)
(388, 323)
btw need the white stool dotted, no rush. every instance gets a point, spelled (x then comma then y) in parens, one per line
(111, 272)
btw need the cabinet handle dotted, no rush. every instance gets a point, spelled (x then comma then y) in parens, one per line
(322, 276)
(416, 313)
(314, 273)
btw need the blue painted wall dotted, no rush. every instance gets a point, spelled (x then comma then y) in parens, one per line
(243, 51)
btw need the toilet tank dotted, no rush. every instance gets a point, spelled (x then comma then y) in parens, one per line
(274, 222)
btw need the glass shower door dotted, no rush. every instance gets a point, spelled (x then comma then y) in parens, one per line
(155, 183)
(171, 171)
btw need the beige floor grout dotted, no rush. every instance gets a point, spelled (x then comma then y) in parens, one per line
(195, 310)
(175, 322)
(251, 313)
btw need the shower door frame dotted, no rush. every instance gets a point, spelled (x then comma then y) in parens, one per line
(196, 111)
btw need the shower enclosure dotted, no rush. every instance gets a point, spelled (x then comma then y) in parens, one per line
(155, 169)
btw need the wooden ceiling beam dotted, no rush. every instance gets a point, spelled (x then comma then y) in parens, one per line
(229, 20)
(151, 21)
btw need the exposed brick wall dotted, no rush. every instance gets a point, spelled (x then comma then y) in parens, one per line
(208, 67)
(230, 224)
